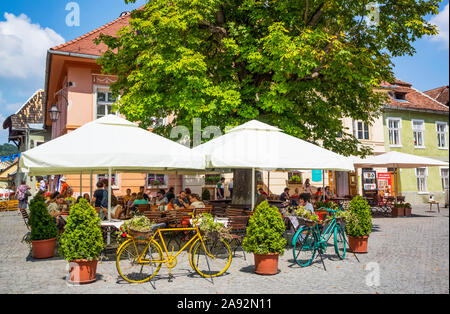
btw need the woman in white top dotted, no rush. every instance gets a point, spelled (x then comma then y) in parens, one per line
(307, 187)
(195, 202)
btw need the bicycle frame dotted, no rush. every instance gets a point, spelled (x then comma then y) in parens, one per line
(169, 256)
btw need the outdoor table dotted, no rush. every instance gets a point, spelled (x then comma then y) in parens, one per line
(431, 204)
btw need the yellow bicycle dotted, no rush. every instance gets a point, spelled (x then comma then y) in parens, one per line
(139, 260)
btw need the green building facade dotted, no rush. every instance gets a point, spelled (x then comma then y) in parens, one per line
(416, 124)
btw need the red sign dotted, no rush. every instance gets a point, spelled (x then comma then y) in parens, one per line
(384, 183)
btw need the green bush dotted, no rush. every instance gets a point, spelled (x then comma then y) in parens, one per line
(206, 195)
(265, 231)
(43, 226)
(359, 222)
(82, 238)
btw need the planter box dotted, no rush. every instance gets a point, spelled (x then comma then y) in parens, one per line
(398, 211)
(407, 212)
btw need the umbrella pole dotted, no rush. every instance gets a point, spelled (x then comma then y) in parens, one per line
(396, 184)
(323, 185)
(108, 238)
(90, 180)
(81, 184)
(253, 189)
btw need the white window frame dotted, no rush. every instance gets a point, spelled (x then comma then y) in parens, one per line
(438, 133)
(443, 178)
(364, 127)
(116, 180)
(97, 89)
(425, 177)
(421, 130)
(399, 129)
(164, 186)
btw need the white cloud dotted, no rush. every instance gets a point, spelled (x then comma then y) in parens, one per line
(441, 21)
(23, 47)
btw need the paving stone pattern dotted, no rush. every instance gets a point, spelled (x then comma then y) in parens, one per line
(406, 255)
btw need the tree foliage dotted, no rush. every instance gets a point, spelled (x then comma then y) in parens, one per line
(300, 65)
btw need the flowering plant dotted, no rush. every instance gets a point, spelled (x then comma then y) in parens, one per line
(157, 181)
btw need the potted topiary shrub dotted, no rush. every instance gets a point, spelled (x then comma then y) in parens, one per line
(358, 224)
(82, 242)
(265, 238)
(397, 210)
(43, 229)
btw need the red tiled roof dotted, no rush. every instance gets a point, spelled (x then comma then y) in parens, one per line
(414, 99)
(85, 43)
(441, 94)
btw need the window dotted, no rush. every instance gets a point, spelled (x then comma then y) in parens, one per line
(399, 95)
(441, 129)
(421, 174)
(394, 126)
(114, 179)
(105, 101)
(418, 129)
(156, 180)
(444, 178)
(363, 131)
(295, 176)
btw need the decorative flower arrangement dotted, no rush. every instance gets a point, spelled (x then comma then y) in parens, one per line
(212, 229)
(306, 214)
(295, 179)
(137, 224)
(156, 182)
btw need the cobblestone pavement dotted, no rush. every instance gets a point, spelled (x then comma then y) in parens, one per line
(411, 254)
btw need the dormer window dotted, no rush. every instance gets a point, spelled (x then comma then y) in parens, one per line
(399, 96)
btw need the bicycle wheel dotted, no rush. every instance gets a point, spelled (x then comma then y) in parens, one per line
(214, 265)
(127, 265)
(304, 249)
(339, 241)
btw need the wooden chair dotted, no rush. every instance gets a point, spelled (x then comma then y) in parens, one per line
(175, 218)
(235, 212)
(155, 216)
(13, 205)
(143, 207)
(198, 211)
(238, 225)
(25, 217)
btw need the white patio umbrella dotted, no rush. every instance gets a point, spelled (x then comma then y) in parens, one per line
(394, 159)
(256, 145)
(109, 144)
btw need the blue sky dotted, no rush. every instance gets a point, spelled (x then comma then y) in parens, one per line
(28, 28)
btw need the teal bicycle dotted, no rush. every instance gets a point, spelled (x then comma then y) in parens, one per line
(309, 240)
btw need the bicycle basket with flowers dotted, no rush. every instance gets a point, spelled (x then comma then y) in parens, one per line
(305, 217)
(138, 227)
(213, 230)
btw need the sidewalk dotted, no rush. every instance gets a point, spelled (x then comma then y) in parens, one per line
(410, 255)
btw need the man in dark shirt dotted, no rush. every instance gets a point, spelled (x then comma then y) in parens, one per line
(181, 200)
(170, 194)
(285, 195)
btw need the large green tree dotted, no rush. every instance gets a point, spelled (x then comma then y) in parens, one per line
(301, 65)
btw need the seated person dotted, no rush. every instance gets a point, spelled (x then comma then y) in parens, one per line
(328, 194)
(161, 198)
(195, 202)
(140, 199)
(70, 200)
(261, 198)
(87, 197)
(55, 209)
(304, 200)
(261, 192)
(170, 194)
(285, 195)
(127, 197)
(181, 201)
(117, 211)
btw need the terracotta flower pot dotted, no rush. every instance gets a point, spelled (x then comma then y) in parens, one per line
(82, 271)
(43, 248)
(358, 245)
(266, 264)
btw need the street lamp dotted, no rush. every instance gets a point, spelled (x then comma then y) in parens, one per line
(54, 113)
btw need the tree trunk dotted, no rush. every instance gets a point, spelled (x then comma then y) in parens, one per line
(242, 187)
